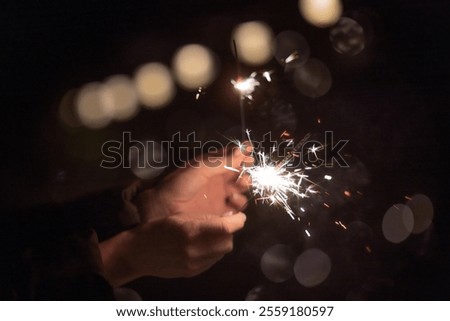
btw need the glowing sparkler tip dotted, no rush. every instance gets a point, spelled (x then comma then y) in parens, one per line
(246, 87)
(273, 181)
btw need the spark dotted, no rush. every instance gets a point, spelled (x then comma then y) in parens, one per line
(339, 223)
(200, 91)
(231, 169)
(274, 182)
(315, 149)
(342, 225)
(293, 56)
(307, 233)
(266, 74)
(347, 193)
(246, 87)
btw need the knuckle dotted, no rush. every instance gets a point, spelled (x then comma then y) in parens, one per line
(189, 254)
(189, 231)
(191, 269)
(226, 229)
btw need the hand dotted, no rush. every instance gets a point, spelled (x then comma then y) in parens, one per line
(174, 246)
(186, 226)
(205, 188)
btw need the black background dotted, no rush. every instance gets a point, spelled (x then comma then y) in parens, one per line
(390, 101)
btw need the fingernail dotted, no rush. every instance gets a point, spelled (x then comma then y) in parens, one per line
(229, 213)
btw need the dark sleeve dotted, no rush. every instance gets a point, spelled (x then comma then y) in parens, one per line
(52, 253)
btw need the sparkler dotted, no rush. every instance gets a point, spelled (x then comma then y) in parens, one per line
(275, 182)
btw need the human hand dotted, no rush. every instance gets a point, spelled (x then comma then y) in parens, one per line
(187, 222)
(174, 246)
(207, 187)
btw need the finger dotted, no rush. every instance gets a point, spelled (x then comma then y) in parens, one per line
(210, 246)
(203, 266)
(223, 224)
(237, 201)
(243, 183)
(221, 163)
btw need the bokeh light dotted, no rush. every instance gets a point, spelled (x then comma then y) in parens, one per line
(194, 66)
(291, 49)
(258, 293)
(154, 84)
(359, 235)
(91, 108)
(147, 159)
(119, 94)
(321, 13)
(398, 223)
(67, 109)
(253, 42)
(312, 267)
(313, 79)
(277, 263)
(422, 209)
(347, 37)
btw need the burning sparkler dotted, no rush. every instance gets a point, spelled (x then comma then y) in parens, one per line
(275, 182)
(246, 86)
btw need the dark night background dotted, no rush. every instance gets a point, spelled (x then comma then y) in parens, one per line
(390, 101)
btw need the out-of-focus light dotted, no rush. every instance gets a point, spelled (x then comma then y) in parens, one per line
(321, 13)
(155, 86)
(398, 223)
(253, 42)
(258, 293)
(422, 209)
(277, 263)
(359, 234)
(291, 49)
(194, 66)
(313, 79)
(347, 37)
(147, 159)
(91, 109)
(67, 109)
(312, 267)
(119, 94)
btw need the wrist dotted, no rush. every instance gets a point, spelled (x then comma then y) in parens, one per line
(118, 268)
(150, 205)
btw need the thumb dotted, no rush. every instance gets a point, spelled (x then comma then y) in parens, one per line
(228, 223)
(222, 162)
